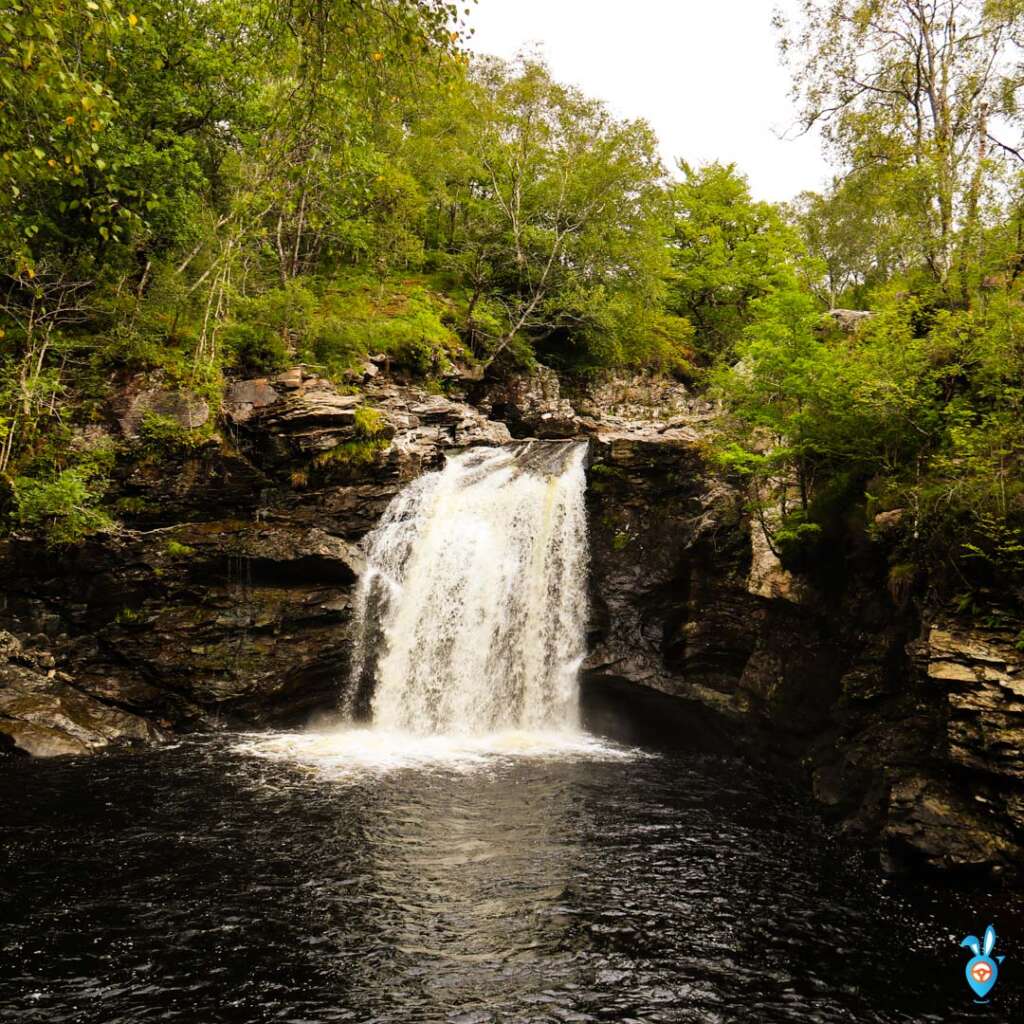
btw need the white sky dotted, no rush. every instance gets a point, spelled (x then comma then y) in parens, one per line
(704, 73)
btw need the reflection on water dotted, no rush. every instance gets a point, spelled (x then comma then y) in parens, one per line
(523, 878)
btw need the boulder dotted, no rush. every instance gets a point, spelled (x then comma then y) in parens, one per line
(43, 714)
(245, 397)
(850, 320)
(887, 522)
(184, 408)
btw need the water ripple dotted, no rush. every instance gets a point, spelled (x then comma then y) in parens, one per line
(321, 878)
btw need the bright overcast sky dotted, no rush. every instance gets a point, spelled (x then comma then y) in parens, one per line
(704, 73)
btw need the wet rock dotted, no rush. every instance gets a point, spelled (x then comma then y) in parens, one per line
(207, 480)
(940, 825)
(959, 809)
(913, 747)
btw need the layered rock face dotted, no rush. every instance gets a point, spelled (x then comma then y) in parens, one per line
(909, 735)
(227, 599)
(45, 714)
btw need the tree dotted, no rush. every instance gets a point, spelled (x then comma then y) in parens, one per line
(727, 251)
(556, 215)
(911, 86)
(857, 235)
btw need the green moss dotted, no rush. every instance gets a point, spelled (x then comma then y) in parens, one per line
(370, 422)
(177, 550)
(129, 617)
(621, 540)
(361, 452)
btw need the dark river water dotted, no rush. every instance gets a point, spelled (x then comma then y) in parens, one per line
(228, 879)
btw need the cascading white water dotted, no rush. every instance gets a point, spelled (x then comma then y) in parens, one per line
(472, 611)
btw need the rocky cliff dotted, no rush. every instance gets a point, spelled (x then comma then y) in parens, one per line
(226, 597)
(907, 728)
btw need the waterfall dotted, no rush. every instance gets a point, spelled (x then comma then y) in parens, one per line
(471, 615)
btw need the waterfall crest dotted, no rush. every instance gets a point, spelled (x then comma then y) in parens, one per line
(471, 615)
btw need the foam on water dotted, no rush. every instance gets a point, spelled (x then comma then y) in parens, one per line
(351, 751)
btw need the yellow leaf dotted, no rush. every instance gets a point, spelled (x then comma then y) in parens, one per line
(69, 119)
(132, 20)
(377, 55)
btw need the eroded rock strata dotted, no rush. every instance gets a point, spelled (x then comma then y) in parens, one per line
(226, 598)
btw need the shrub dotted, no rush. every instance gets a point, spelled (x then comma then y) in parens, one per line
(339, 344)
(64, 508)
(167, 436)
(254, 349)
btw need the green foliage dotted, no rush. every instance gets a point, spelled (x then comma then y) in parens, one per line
(339, 344)
(369, 422)
(202, 189)
(253, 350)
(351, 454)
(548, 214)
(921, 412)
(417, 337)
(63, 505)
(728, 251)
(164, 435)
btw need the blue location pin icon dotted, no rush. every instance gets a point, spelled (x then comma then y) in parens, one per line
(982, 971)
